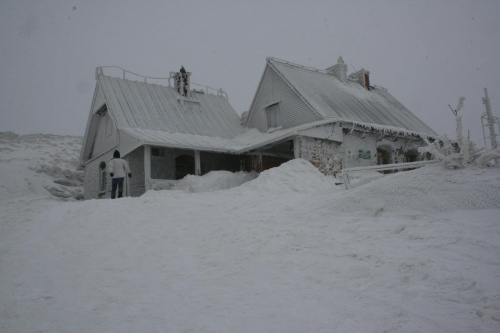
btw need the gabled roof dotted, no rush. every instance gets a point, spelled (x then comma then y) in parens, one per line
(349, 100)
(146, 113)
(139, 105)
(157, 114)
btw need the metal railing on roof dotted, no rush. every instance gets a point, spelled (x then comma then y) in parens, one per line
(209, 90)
(128, 75)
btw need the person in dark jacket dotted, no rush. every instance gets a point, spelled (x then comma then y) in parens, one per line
(118, 168)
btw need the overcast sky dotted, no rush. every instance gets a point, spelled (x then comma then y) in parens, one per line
(426, 53)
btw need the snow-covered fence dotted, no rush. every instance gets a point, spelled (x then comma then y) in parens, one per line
(384, 167)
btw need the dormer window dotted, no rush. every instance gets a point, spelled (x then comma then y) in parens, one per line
(273, 115)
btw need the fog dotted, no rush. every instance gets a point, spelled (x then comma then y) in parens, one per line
(427, 54)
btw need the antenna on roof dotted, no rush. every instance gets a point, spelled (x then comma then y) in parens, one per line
(487, 120)
(459, 106)
(454, 111)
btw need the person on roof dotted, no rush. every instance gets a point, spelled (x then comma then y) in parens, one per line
(118, 168)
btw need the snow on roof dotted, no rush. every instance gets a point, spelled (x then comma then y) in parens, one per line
(158, 115)
(332, 98)
(146, 106)
(247, 141)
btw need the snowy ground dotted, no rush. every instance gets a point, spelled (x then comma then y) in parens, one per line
(285, 252)
(41, 165)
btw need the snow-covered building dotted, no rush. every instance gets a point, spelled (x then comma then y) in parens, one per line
(167, 131)
(164, 131)
(337, 120)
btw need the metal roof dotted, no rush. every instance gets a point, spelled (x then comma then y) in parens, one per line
(147, 106)
(334, 99)
(155, 114)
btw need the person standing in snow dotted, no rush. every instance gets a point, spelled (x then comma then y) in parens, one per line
(118, 169)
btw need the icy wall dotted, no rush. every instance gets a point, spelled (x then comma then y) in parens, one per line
(401, 150)
(360, 150)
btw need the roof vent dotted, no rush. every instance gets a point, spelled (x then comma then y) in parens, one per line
(362, 76)
(182, 82)
(339, 70)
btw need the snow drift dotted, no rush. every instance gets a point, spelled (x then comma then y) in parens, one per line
(40, 165)
(213, 181)
(430, 189)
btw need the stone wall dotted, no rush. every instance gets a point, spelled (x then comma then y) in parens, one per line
(330, 157)
(326, 155)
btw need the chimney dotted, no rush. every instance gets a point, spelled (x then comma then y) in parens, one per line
(339, 70)
(362, 76)
(182, 82)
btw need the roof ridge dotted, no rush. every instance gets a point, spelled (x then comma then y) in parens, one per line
(313, 69)
(293, 87)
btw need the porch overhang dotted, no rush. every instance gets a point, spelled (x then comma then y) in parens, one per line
(132, 138)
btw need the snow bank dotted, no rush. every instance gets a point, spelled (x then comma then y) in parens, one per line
(40, 165)
(295, 176)
(429, 189)
(213, 181)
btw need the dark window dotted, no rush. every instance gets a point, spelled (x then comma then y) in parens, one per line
(273, 116)
(383, 157)
(411, 156)
(156, 152)
(102, 177)
(184, 165)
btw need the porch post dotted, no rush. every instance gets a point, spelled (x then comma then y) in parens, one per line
(197, 163)
(296, 147)
(147, 167)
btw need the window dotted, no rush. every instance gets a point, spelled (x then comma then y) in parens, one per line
(365, 154)
(102, 177)
(273, 116)
(184, 165)
(157, 152)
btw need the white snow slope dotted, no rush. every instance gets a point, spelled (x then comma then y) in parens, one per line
(288, 251)
(41, 165)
